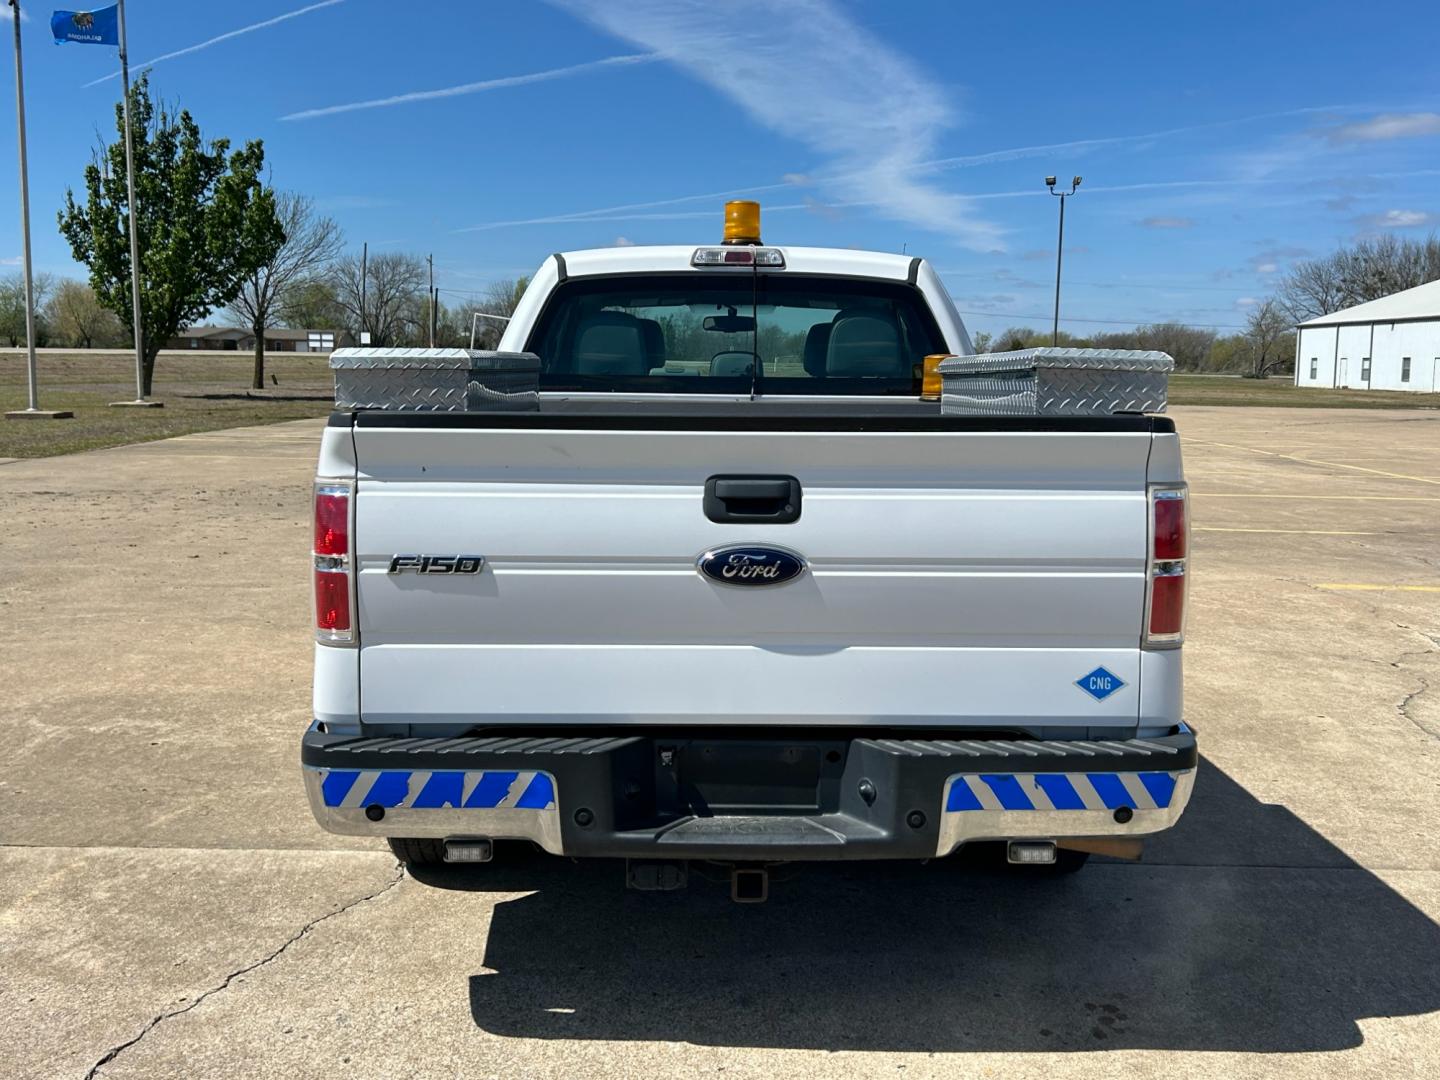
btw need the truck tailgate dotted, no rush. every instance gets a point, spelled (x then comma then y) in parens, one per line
(959, 577)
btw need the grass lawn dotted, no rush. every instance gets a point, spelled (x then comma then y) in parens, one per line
(201, 393)
(210, 391)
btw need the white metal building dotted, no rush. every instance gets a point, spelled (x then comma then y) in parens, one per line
(1388, 344)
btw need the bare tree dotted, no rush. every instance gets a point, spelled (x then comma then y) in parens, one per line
(393, 294)
(77, 317)
(1367, 270)
(311, 242)
(1268, 338)
(501, 298)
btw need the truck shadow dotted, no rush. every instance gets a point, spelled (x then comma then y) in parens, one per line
(1246, 931)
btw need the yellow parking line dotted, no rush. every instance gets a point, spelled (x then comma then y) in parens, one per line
(1327, 498)
(1382, 588)
(1294, 532)
(1313, 461)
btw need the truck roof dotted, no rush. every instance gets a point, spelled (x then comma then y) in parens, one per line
(663, 258)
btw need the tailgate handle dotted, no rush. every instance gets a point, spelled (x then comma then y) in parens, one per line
(767, 500)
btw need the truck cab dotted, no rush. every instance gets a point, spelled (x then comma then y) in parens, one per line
(736, 587)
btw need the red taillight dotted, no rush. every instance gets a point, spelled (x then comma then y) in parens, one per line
(1165, 566)
(332, 523)
(1167, 605)
(333, 566)
(332, 601)
(1170, 532)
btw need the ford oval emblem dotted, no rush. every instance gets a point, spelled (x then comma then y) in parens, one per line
(751, 565)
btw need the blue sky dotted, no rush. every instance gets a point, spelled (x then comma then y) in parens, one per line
(1219, 142)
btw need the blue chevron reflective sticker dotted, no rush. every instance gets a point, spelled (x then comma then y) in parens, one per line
(539, 794)
(491, 790)
(389, 789)
(1007, 790)
(499, 789)
(442, 789)
(1161, 786)
(337, 785)
(1060, 791)
(1022, 792)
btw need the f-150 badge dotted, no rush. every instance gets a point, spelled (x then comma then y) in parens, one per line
(436, 564)
(751, 565)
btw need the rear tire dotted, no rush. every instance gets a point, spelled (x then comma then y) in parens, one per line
(413, 852)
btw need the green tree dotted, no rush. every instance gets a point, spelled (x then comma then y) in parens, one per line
(12, 308)
(204, 218)
(78, 319)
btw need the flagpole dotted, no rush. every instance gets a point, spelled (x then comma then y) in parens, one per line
(33, 409)
(134, 228)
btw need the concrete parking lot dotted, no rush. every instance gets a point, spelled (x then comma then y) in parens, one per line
(168, 907)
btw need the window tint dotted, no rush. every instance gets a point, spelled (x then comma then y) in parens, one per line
(702, 333)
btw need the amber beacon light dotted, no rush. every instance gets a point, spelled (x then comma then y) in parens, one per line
(742, 222)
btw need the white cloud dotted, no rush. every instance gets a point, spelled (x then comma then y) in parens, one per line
(474, 87)
(222, 37)
(623, 241)
(1387, 126)
(944, 164)
(7, 15)
(1399, 219)
(1266, 267)
(18, 259)
(1168, 222)
(805, 70)
(1247, 302)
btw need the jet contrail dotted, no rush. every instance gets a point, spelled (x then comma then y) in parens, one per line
(222, 37)
(475, 87)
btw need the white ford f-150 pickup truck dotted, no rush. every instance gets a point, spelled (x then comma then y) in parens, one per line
(708, 572)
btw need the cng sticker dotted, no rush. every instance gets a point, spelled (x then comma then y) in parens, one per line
(1100, 684)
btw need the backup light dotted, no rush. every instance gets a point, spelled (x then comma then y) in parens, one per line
(1030, 852)
(738, 256)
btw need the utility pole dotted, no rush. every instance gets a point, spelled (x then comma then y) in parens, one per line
(134, 226)
(1059, 247)
(430, 260)
(33, 410)
(364, 278)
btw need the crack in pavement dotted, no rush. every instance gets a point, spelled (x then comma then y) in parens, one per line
(1404, 709)
(115, 1051)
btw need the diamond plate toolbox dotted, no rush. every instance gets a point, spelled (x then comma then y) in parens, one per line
(1055, 382)
(435, 380)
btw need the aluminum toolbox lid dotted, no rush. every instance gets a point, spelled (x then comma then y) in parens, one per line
(434, 360)
(1030, 359)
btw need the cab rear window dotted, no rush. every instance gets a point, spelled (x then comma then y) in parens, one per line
(770, 332)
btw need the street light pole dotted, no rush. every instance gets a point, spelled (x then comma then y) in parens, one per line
(1059, 248)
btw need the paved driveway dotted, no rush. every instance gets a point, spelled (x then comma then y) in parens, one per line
(167, 908)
